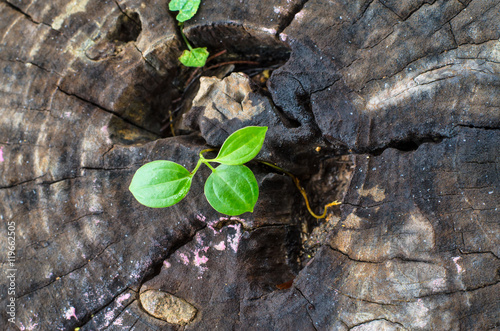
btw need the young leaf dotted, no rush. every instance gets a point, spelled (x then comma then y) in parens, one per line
(242, 146)
(160, 184)
(197, 57)
(186, 8)
(232, 190)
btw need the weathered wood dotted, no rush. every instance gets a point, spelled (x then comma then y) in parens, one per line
(409, 90)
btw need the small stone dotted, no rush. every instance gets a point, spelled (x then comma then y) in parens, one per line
(168, 307)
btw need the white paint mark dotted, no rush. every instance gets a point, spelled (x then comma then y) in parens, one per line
(199, 260)
(122, 298)
(71, 313)
(220, 246)
(234, 240)
(270, 31)
(70, 9)
(459, 268)
(118, 321)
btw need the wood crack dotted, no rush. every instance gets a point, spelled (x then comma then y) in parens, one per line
(106, 169)
(21, 183)
(392, 11)
(473, 289)
(89, 316)
(289, 18)
(360, 16)
(395, 258)
(367, 301)
(30, 18)
(33, 64)
(378, 319)
(126, 120)
(479, 127)
(156, 266)
(120, 312)
(307, 310)
(58, 278)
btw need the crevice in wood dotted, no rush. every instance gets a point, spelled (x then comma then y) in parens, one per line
(378, 319)
(107, 111)
(472, 289)
(29, 17)
(288, 19)
(67, 273)
(88, 317)
(307, 308)
(409, 144)
(395, 258)
(157, 265)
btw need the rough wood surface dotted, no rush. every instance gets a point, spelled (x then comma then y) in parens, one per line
(409, 91)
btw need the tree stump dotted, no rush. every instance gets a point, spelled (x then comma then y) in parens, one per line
(391, 106)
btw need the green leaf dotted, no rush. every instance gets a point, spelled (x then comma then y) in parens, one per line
(242, 146)
(160, 184)
(232, 190)
(197, 57)
(186, 8)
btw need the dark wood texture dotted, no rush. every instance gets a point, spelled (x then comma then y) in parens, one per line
(408, 90)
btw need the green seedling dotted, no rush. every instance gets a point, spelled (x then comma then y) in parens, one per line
(231, 188)
(192, 57)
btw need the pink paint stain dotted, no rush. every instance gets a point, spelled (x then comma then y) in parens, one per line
(167, 264)
(199, 239)
(210, 225)
(220, 246)
(199, 260)
(135, 275)
(29, 327)
(71, 313)
(184, 258)
(122, 298)
(234, 241)
(104, 129)
(1, 154)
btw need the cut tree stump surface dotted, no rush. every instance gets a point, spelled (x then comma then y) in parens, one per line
(408, 91)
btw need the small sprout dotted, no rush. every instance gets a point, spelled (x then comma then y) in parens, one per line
(231, 189)
(187, 8)
(194, 57)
